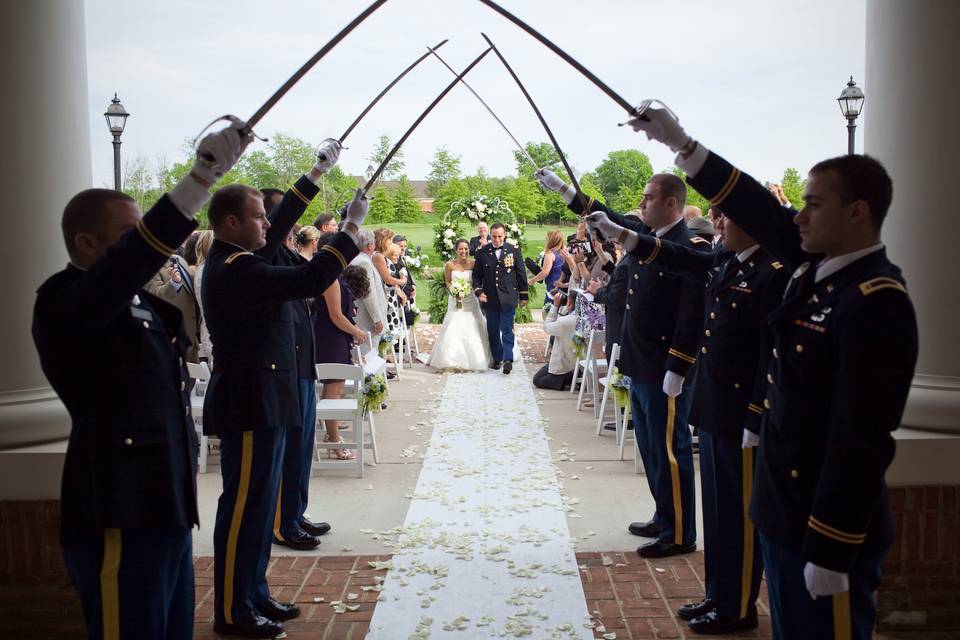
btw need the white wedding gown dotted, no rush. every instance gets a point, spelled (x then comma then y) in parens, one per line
(462, 343)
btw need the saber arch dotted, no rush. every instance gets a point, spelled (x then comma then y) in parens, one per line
(910, 126)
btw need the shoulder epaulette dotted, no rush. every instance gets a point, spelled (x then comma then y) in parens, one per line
(236, 255)
(776, 265)
(698, 240)
(876, 284)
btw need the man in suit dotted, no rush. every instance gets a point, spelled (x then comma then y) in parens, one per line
(115, 355)
(174, 284)
(844, 351)
(482, 239)
(371, 310)
(661, 333)
(253, 393)
(500, 285)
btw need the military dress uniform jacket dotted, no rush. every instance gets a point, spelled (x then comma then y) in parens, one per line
(254, 384)
(613, 297)
(115, 356)
(503, 281)
(730, 376)
(843, 359)
(664, 311)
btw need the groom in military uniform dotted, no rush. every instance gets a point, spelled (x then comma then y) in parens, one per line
(500, 285)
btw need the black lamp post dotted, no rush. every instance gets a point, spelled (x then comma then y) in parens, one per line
(116, 117)
(851, 104)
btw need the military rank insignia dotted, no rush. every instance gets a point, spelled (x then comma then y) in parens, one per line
(508, 261)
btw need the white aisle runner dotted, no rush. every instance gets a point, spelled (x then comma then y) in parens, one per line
(485, 550)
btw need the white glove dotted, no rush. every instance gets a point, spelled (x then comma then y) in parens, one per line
(750, 439)
(216, 154)
(552, 182)
(598, 222)
(327, 154)
(353, 215)
(663, 126)
(672, 384)
(824, 582)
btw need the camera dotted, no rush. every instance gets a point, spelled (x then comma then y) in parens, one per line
(580, 246)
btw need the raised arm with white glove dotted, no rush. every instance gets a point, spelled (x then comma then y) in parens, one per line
(552, 182)
(663, 126)
(216, 154)
(327, 154)
(353, 214)
(599, 223)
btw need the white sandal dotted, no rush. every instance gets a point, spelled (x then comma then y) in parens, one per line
(339, 454)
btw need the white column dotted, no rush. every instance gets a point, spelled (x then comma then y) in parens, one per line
(45, 128)
(912, 95)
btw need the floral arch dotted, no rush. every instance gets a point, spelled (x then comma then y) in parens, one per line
(470, 211)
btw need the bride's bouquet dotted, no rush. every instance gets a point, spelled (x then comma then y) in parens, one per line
(459, 289)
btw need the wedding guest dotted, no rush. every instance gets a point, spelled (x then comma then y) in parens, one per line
(552, 264)
(188, 250)
(560, 324)
(396, 298)
(205, 349)
(384, 238)
(409, 289)
(307, 241)
(691, 212)
(703, 228)
(479, 240)
(174, 283)
(325, 223)
(372, 309)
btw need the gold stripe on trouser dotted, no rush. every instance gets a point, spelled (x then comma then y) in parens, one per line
(276, 517)
(674, 474)
(246, 461)
(842, 626)
(748, 550)
(109, 584)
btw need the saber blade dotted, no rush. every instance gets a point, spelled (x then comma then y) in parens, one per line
(436, 101)
(489, 110)
(546, 127)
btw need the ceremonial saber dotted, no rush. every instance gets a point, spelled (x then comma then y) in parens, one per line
(436, 101)
(636, 112)
(487, 107)
(546, 127)
(302, 71)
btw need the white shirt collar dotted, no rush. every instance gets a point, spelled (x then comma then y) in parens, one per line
(746, 253)
(662, 230)
(831, 266)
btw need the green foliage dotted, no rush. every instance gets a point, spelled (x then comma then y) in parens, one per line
(437, 303)
(627, 167)
(381, 207)
(693, 196)
(524, 195)
(394, 168)
(444, 167)
(543, 154)
(793, 186)
(405, 204)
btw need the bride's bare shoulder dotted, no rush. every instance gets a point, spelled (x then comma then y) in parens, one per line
(471, 264)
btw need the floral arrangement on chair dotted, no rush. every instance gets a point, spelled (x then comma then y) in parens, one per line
(620, 384)
(416, 260)
(386, 340)
(374, 391)
(579, 346)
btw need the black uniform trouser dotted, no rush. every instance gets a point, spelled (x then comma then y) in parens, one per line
(250, 463)
(135, 583)
(731, 547)
(297, 461)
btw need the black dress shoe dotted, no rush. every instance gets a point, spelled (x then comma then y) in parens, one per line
(391, 375)
(508, 366)
(714, 624)
(314, 528)
(660, 549)
(649, 529)
(696, 609)
(299, 539)
(253, 626)
(278, 611)
(495, 365)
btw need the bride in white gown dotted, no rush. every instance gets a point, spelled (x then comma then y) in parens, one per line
(463, 343)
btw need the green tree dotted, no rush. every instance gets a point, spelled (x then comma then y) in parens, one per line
(524, 197)
(543, 154)
(336, 189)
(627, 167)
(693, 196)
(405, 204)
(444, 167)
(381, 207)
(452, 191)
(793, 186)
(394, 168)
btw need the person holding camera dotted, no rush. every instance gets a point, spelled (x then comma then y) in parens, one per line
(552, 265)
(559, 323)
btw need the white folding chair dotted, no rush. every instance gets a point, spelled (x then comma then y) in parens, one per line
(372, 362)
(200, 373)
(624, 435)
(405, 343)
(605, 382)
(592, 367)
(350, 409)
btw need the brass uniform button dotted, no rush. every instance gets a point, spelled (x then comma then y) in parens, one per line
(186, 411)
(661, 274)
(799, 348)
(628, 306)
(769, 378)
(630, 291)
(662, 338)
(173, 340)
(273, 366)
(703, 349)
(736, 385)
(713, 316)
(128, 441)
(146, 325)
(636, 276)
(716, 298)
(776, 354)
(183, 385)
(794, 473)
(766, 403)
(733, 305)
(707, 333)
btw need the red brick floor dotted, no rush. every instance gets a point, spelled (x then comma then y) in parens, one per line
(633, 597)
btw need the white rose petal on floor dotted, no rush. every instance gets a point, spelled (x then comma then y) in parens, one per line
(485, 547)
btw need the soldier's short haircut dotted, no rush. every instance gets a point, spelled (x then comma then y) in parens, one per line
(861, 177)
(229, 201)
(87, 213)
(671, 187)
(497, 225)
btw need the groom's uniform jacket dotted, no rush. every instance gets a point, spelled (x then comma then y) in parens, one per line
(502, 280)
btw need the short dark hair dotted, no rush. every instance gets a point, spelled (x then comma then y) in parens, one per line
(188, 250)
(357, 281)
(229, 201)
(671, 186)
(87, 212)
(497, 225)
(323, 219)
(398, 239)
(269, 194)
(325, 238)
(861, 177)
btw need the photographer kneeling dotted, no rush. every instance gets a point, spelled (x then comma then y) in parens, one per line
(560, 323)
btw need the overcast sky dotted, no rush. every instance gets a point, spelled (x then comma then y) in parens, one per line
(754, 80)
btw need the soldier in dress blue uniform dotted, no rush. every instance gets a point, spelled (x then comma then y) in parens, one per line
(115, 356)
(253, 393)
(661, 333)
(744, 284)
(500, 285)
(844, 351)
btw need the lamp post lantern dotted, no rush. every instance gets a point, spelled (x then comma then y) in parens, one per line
(116, 117)
(851, 104)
